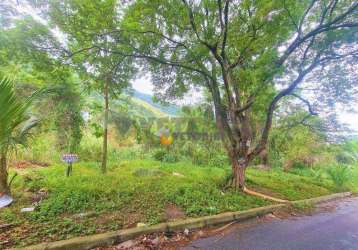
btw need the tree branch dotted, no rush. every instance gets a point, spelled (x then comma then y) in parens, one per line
(310, 109)
(226, 20)
(321, 28)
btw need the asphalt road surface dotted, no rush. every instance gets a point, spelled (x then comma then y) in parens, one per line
(335, 227)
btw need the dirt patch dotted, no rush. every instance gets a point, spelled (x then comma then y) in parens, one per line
(173, 212)
(132, 218)
(29, 164)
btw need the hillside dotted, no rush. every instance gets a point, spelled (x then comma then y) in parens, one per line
(170, 110)
(137, 104)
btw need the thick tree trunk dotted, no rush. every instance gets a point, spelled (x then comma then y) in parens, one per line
(105, 127)
(238, 173)
(264, 158)
(4, 186)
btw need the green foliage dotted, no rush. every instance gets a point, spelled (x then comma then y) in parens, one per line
(219, 161)
(165, 156)
(288, 145)
(141, 189)
(340, 175)
(291, 186)
(195, 202)
(202, 152)
(16, 123)
(90, 148)
(135, 152)
(345, 158)
(159, 154)
(69, 120)
(317, 173)
(170, 158)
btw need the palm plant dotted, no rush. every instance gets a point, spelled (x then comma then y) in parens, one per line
(15, 126)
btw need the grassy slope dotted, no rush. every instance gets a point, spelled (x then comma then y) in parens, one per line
(151, 109)
(135, 191)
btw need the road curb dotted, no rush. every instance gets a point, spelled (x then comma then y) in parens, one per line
(325, 198)
(110, 238)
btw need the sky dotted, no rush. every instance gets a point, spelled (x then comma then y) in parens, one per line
(144, 84)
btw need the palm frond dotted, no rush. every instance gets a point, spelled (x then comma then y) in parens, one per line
(14, 119)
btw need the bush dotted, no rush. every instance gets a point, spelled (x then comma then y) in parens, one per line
(340, 175)
(159, 154)
(200, 156)
(345, 158)
(165, 156)
(170, 158)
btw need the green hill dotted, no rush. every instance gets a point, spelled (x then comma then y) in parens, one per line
(171, 110)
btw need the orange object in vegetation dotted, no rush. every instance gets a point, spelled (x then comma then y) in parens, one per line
(166, 140)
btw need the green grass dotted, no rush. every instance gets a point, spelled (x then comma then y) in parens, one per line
(353, 182)
(136, 191)
(287, 185)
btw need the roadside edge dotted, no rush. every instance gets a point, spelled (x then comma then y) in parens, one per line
(116, 237)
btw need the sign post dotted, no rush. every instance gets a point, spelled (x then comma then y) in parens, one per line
(69, 159)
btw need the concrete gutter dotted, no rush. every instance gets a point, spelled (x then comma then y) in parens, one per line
(325, 198)
(111, 238)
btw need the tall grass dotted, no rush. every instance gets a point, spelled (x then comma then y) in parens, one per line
(340, 175)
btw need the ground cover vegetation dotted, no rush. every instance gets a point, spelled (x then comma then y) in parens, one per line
(272, 75)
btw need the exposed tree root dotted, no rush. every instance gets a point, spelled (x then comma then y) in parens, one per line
(224, 227)
(266, 197)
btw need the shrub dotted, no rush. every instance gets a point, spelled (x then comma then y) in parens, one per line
(345, 158)
(170, 158)
(165, 156)
(159, 154)
(339, 174)
(200, 156)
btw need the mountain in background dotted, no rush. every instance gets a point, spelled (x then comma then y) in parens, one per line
(171, 109)
(137, 104)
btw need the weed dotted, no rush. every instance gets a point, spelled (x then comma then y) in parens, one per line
(340, 175)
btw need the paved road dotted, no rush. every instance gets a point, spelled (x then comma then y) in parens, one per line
(335, 229)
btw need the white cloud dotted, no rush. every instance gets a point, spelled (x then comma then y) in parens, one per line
(143, 84)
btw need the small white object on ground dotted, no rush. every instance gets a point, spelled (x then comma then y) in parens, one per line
(140, 224)
(126, 245)
(27, 209)
(270, 216)
(5, 200)
(177, 174)
(186, 231)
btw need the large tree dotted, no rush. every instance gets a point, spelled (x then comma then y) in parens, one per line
(86, 26)
(250, 55)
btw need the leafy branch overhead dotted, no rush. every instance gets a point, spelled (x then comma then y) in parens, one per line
(249, 56)
(240, 51)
